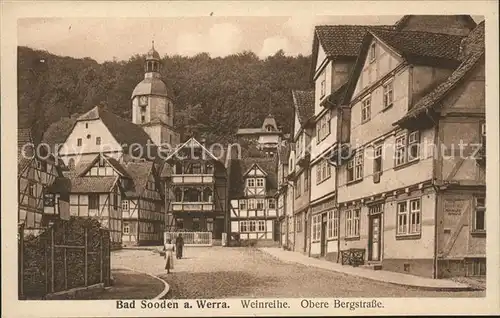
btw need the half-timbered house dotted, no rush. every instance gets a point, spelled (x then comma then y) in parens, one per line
(282, 192)
(37, 170)
(253, 213)
(196, 190)
(387, 191)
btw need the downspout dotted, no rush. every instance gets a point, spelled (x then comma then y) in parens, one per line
(436, 189)
(339, 138)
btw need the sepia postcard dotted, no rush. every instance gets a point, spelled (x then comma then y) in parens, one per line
(251, 158)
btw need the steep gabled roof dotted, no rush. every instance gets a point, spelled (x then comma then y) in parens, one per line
(112, 162)
(125, 132)
(473, 47)
(71, 183)
(303, 102)
(139, 172)
(402, 23)
(191, 143)
(239, 167)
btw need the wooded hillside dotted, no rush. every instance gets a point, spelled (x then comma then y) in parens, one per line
(212, 96)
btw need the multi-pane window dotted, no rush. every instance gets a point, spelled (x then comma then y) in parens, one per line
(262, 226)
(48, 200)
(251, 204)
(388, 94)
(323, 128)
(316, 228)
(243, 204)
(250, 182)
(260, 204)
(323, 83)
(373, 52)
(323, 171)
(333, 224)
(352, 222)
(480, 215)
(260, 182)
(252, 226)
(93, 201)
(358, 166)
(377, 159)
(125, 205)
(407, 148)
(366, 109)
(408, 217)
(126, 228)
(272, 203)
(298, 223)
(243, 226)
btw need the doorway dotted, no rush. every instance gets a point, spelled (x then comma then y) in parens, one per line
(323, 235)
(374, 241)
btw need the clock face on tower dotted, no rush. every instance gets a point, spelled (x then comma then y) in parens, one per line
(143, 100)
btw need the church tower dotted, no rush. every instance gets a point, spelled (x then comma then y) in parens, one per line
(152, 105)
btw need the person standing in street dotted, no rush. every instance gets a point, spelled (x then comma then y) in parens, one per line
(169, 255)
(179, 245)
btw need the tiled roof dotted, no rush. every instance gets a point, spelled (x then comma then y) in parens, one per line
(402, 23)
(239, 167)
(303, 102)
(342, 40)
(474, 47)
(117, 166)
(421, 44)
(74, 184)
(139, 172)
(125, 132)
(336, 97)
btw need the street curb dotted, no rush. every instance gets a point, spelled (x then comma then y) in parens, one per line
(166, 289)
(419, 287)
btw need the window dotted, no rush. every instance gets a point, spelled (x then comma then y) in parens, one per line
(333, 224)
(86, 125)
(272, 203)
(196, 168)
(350, 170)
(260, 182)
(209, 168)
(97, 140)
(48, 200)
(377, 159)
(143, 118)
(31, 188)
(366, 109)
(408, 217)
(269, 128)
(243, 204)
(298, 187)
(373, 51)
(352, 223)
(476, 267)
(126, 228)
(170, 139)
(251, 204)
(252, 226)
(250, 182)
(260, 204)
(355, 167)
(243, 226)
(323, 84)
(102, 162)
(93, 201)
(115, 201)
(125, 205)
(388, 94)
(375, 209)
(407, 148)
(480, 215)
(71, 163)
(316, 227)
(79, 142)
(262, 226)
(298, 223)
(323, 171)
(323, 128)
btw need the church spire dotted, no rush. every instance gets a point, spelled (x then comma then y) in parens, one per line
(152, 64)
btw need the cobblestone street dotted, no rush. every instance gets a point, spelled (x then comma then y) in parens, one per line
(245, 272)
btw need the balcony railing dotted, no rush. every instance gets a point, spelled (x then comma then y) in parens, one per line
(192, 178)
(193, 206)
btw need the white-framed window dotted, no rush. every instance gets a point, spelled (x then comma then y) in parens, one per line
(323, 84)
(251, 204)
(388, 88)
(373, 52)
(413, 146)
(260, 182)
(323, 127)
(366, 109)
(350, 170)
(250, 182)
(407, 148)
(375, 209)
(126, 228)
(271, 203)
(252, 226)
(243, 204)
(93, 201)
(408, 217)
(479, 221)
(352, 223)
(79, 142)
(298, 223)
(260, 204)
(333, 224)
(316, 227)
(262, 226)
(330, 224)
(125, 205)
(323, 171)
(243, 226)
(377, 159)
(358, 166)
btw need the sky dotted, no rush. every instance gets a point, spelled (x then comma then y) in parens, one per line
(106, 39)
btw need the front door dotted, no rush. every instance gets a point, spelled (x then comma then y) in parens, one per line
(374, 242)
(323, 234)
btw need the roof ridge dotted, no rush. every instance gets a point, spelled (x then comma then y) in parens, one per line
(420, 32)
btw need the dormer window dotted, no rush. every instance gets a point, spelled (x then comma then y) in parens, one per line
(260, 182)
(250, 182)
(373, 51)
(269, 128)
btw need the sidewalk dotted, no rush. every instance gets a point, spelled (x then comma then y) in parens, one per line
(377, 275)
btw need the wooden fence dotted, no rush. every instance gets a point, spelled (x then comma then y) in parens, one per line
(64, 255)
